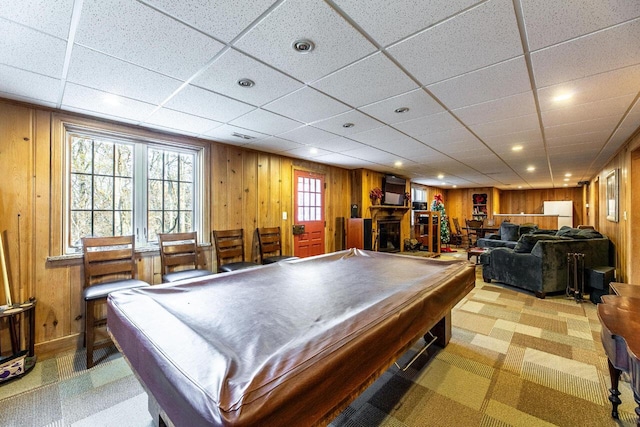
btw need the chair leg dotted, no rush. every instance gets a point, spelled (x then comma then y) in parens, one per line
(89, 331)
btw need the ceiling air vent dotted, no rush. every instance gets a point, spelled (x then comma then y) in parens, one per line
(243, 136)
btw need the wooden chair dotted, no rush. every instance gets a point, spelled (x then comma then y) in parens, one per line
(455, 235)
(180, 257)
(109, 265)
(230, 250)
(474, 230)
(270, 245)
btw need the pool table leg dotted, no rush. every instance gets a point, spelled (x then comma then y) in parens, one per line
(442, 330)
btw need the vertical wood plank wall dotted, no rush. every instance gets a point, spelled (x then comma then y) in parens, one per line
(246, 189)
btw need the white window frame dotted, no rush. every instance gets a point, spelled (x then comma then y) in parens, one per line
(140, 180)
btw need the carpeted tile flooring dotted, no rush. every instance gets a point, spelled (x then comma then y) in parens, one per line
(514, 360)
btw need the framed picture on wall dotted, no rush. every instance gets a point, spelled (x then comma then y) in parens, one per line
(612, 195)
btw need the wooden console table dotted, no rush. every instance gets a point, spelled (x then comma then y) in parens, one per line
(19, 317)
(619, 315)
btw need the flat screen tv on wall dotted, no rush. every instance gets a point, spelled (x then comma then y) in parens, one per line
(393, 189)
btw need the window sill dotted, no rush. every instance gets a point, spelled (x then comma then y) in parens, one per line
(76, 258)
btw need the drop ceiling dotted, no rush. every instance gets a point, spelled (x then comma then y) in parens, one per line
(476, 77)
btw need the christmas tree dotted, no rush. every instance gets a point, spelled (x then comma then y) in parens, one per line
(438, 205)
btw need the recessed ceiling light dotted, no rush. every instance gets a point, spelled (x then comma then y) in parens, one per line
(303, 46)
(567, 174)
(563, 97)
(440, 176)
(246, 82)
(531, 169)
(348, 125)
(517, 148)
(401, 110)
(313, 150)
(565, 185)
(398, 163)
(566, 180)
(519, 186)
(455, 186)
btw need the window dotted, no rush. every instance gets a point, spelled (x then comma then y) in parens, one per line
(309, 199)
(119, 187)
(418, 195)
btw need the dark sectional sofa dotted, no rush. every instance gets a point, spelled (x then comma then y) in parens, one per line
(507, 235)
(538, 262)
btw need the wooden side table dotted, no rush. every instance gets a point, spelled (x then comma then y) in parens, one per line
(21, 360)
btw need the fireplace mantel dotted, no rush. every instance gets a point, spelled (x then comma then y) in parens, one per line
(390, 210)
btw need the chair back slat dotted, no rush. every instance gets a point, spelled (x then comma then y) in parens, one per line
(107, 256)
(269, 240)
(180, 251)
(229, 245)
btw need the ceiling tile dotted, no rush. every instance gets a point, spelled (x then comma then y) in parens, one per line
(418, 102)
(602, 125)
(51, 17)
(265, 122)
(528, 139)
(306, 152)
(506, 126)
(234, 135)
(337, 43)
(369, 80)
(307, 105)
(497, 81)
(612, 84)
(31, 50)
(223, 75)
(452, 136)
(307, 135)
(141, 35)
(203, 103)
(479, 37)
(378, 135)
(102, 72)
(31, 86)
(428, 125)
(222, 19)
(370, 154)
(337, 145)
(361, 122)
(165, 118)
(578, 138)
(273, 144)
(549, 22)
(91, 100)
(589, 111)
(512, 106)
(599, 52)
(342, 160)
(389, 21)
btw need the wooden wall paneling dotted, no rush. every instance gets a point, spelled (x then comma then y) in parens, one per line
(286, 225)
(633, 273)
(219, 196)
(16, 199)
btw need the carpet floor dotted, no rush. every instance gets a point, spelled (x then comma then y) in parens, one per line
(513, 360)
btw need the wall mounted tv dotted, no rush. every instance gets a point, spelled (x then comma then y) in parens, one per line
(393, 189)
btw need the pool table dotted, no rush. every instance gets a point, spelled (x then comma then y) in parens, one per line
(291, 343)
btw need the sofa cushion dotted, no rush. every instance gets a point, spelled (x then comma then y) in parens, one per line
(576, 233)
(509, 231)
(528, 241)
(527, 228)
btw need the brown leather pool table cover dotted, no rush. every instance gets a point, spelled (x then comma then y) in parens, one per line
(282, 344)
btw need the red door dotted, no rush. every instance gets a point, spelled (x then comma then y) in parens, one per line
(309, 212)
